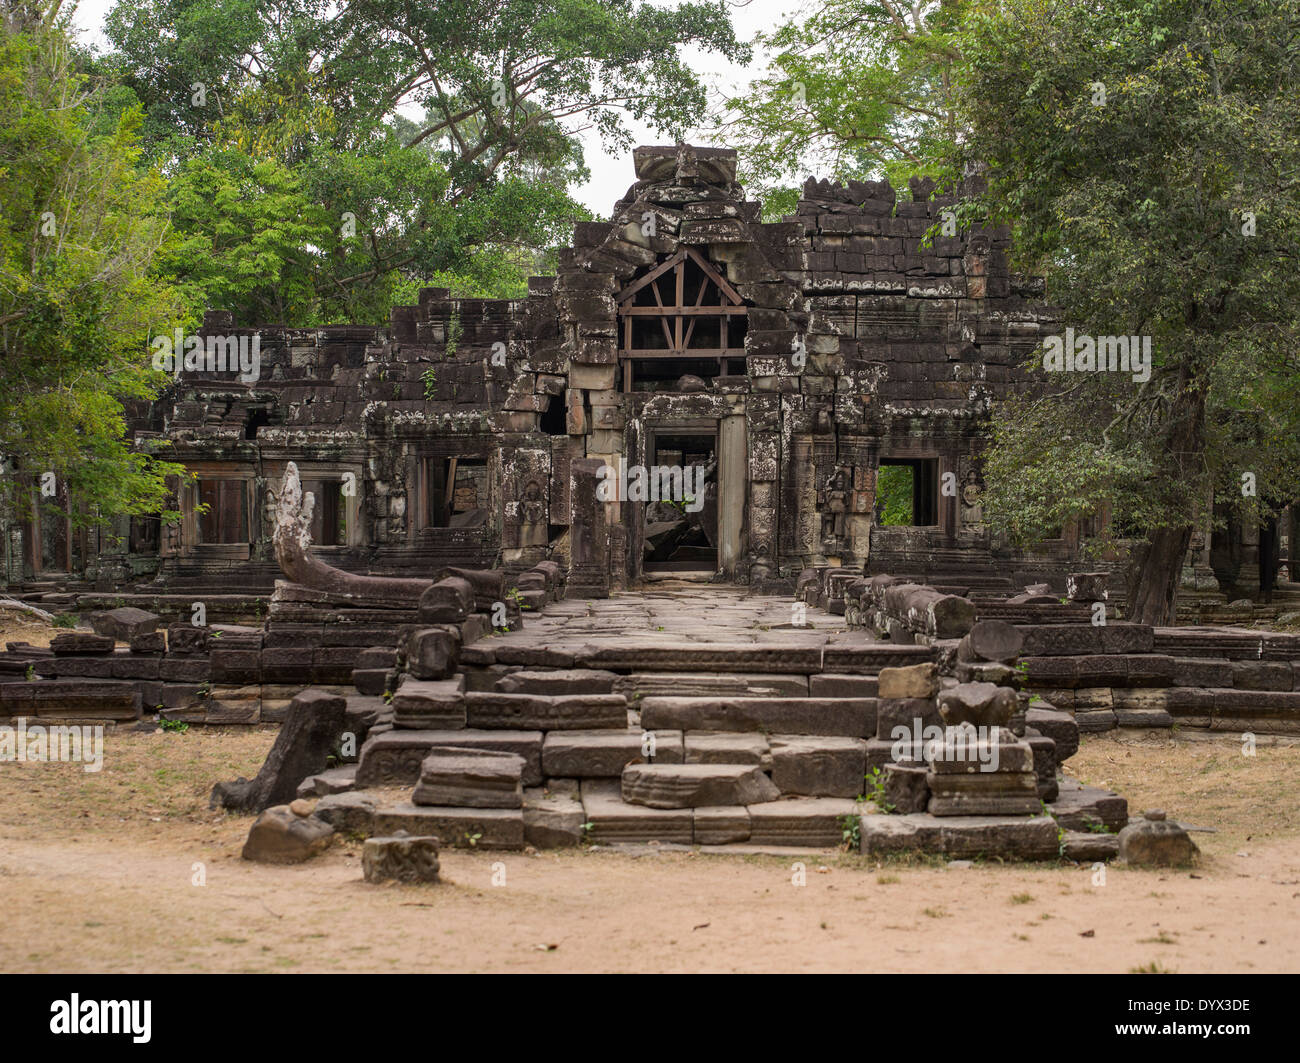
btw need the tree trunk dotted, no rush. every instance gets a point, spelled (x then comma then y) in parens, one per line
(1156, 567)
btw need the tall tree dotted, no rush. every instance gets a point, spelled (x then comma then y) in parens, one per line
(853, 89)
(81, 229)
(1146, 152)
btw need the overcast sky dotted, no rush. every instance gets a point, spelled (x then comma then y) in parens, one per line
(610, 174)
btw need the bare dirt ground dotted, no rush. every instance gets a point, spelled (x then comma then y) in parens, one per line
(98, 873)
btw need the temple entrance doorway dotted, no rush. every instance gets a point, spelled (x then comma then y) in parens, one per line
(681, 527)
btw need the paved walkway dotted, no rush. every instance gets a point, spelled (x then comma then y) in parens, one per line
(684, 615)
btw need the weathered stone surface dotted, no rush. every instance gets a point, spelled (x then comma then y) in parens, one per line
(470, 778)
(1056, 725)
(916, 681)
(1044, 750)
(1155, 841)
(1087, 586)
(991, 640)
(978, 704)
(1003, 837)
(400, 858)
(394, 758)
(278, 836)
(536, 712)
(125, 623)
(553, 817)
(457, 828)
(721, 825)
(728, 657)
(150, 642)
(1087, 847)
(993, 793)
(906, 787)
(851, 717)
(1261, 675)
(826, 766)
(697, 684)
(431, 652)
(695, 785)
(558, 681)
(590, 754)
(333, 781)
(1079, 807)
(811, 821)
(351, 813)
(832, 685)
(727, 747)
(448, 601)
(614, 820)
(430, 704)
(307, 738)
(77, 643)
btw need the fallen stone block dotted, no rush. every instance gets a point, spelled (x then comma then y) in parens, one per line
(1056, 725)
(1155, 841)
(1088, 847)
(916, 681)
(696, 785)
(431, 652)
(81, 643)
(400, 858)
(124, 623)
(281, 836)
(333, 781)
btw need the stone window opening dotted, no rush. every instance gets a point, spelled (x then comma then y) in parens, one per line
(907, 492)
(456, 492)
(682, 317)
(555, 420)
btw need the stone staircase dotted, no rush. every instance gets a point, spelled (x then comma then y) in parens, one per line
(693, 744)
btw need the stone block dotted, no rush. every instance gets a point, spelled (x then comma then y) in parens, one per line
(490, 710)
(850, 717)
(470, 778)
(125, 623)
(963, 837)
(456, 828)
(824, 766)
(281, 836)
(721, 825)
(803, 821)
(695, 785)
(615, 821)
(394, 757)
(739, 747)
(553, 818)
(400, 858)
(428, 704)
(590, 754)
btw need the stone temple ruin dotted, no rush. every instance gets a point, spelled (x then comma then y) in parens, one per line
(432, 554)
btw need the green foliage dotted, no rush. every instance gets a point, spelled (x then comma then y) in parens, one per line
(83, 228)
(65, 620)
(855, 89)
(173, 726)
(875, 790)
(850, 831)
(894, 494)
(1134, 209)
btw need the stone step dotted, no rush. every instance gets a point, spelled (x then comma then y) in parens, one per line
(708, 684)
(849, 717)
(470, 778)
(459, 828)
(490, 710)
(1081, 807)
(604, 754)
(645, 655)
(429, 704)
(1005, 837)
(394, 758)
(559, 681)
(696, 785)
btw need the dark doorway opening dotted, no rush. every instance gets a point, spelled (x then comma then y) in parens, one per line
(681, 531)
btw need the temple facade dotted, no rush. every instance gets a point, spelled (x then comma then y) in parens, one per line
(696, 391)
